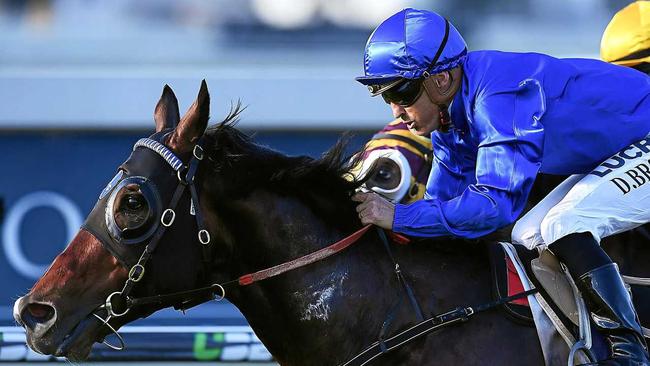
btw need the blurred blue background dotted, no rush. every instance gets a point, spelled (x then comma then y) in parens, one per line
(79, 80)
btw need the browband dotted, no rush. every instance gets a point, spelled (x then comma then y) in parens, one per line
(161, 150)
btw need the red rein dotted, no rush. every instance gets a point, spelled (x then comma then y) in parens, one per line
(247, 279)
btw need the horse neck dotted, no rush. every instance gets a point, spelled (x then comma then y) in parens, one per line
(303, 302)
(346, 296)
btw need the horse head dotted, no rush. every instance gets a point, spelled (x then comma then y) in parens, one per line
(151, 203)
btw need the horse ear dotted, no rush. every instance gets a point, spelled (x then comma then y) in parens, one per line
(166, 113)
(194, 122)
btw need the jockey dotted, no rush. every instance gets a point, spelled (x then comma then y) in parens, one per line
(496, 120)
(626, 40)
(404, 162)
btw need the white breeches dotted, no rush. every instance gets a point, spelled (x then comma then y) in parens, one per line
(613, 198)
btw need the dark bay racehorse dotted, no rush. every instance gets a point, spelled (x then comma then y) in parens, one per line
(260, 209)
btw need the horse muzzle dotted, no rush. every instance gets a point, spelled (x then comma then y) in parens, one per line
(44, 335)
(38, 319)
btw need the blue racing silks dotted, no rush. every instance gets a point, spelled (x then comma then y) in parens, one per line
(517, 114)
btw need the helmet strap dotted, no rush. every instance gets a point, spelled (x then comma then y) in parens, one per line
(431, 92)
(443, 43)
(445, 121)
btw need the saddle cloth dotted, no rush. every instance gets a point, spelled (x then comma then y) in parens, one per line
(506, 282)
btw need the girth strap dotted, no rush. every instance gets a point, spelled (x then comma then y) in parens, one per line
(427, 326)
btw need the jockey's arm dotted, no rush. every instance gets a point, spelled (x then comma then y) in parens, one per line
(508, 158)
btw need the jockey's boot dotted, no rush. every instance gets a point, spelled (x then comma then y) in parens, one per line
(612, 311)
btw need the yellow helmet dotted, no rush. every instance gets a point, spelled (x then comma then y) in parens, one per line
(626, 40)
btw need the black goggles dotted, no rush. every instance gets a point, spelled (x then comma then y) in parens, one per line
(405, 93)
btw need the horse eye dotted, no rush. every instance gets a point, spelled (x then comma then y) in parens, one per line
(134, 202)
(384, 174)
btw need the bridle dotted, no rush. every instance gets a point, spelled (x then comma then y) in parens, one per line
(119, 303)
(167, 218)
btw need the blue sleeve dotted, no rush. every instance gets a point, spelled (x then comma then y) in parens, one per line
(452, 169)
(510, 142)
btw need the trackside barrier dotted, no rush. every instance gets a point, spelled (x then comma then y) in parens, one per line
(157, 343)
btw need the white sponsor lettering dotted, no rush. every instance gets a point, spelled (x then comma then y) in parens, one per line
(11, 234)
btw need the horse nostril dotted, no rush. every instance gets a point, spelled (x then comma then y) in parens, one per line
(40, 311)
(34, 314)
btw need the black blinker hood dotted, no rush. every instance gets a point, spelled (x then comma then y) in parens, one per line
(146, 163)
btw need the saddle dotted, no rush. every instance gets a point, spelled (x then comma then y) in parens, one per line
(558, 298)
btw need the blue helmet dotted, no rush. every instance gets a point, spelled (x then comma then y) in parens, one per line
(408, 44)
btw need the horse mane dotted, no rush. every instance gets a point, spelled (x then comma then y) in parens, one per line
(320, 183)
